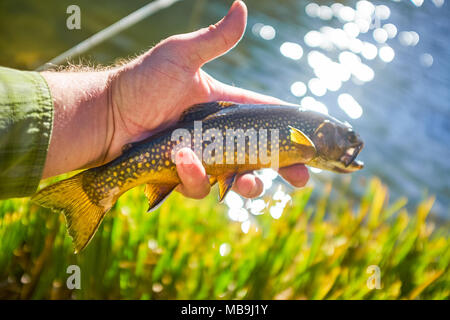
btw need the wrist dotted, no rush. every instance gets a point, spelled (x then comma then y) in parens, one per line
(81, 120)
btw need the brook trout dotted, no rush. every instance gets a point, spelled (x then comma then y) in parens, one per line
(227, 135)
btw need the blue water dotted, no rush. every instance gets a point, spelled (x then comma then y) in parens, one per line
(405, 102)
(406, 107)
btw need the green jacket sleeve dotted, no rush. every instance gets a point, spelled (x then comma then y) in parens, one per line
(26, 120)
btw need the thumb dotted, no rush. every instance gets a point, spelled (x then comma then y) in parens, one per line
(209, 43)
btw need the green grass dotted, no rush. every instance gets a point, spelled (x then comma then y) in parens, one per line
(316, 250)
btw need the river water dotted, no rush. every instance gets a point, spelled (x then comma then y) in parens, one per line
(383, 66)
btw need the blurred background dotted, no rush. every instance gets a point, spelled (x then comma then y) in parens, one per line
(381, 65)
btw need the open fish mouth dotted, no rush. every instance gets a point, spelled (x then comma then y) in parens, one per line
(349, 156)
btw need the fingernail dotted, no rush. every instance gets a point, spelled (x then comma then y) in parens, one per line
(184, 157)
(255, 188)
(234, 4)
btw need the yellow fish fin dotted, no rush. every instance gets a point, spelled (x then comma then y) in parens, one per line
(83, 217)
(226, 104)
(225, 183)
(156, 194)
(212, 180)
(299, 137)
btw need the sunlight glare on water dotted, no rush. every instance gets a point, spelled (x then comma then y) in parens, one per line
(351, 29)
(313, 38)
(391, 30)
(369, 51)
(386, 54)
(233, 200)
(382, 12)
(291, 50)
(350, 106)
(438, 3)
(238, 214)
(417, 3)
(350, 41)
(312, 104)
(380, 35)
(317, 87)
(408, 38)
(325, 13)
(346, 14)
(426, 60)
(365, 8)
(312, 9)
(267, 32)
(257, 28)
(298, 89)
(363, 72)
(257, 206)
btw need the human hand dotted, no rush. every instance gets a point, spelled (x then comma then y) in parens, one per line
(149, 93)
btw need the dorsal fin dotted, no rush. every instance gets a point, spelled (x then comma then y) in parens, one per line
(202, 110)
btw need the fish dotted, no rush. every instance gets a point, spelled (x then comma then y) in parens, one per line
(287, 135)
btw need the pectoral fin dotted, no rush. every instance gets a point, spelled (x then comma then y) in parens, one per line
(156, 194)
(212, 180)
(225, 183)
(299, 137)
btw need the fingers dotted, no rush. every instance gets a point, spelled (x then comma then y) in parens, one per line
(297, 175)
(208, 43)
(194, 181)
(248, 185)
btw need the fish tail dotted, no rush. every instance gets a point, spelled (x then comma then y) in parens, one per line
(82, 215)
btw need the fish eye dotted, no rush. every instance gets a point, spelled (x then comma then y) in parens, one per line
(351, 136)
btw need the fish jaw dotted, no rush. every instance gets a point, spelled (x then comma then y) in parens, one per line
(352, 167)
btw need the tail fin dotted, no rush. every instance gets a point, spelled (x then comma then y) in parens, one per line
(82, 215)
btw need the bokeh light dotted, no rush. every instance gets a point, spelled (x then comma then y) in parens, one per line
(267, 32)
(350, 106)
(298, 89)
(386, 54)
(291, 50)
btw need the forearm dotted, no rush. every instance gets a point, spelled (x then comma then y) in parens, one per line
(80, 132)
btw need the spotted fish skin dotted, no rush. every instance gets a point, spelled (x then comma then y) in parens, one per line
(303, 137)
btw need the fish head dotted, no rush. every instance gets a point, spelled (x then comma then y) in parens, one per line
(337, 146)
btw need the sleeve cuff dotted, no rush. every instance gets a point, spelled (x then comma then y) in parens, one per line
(26, 121)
